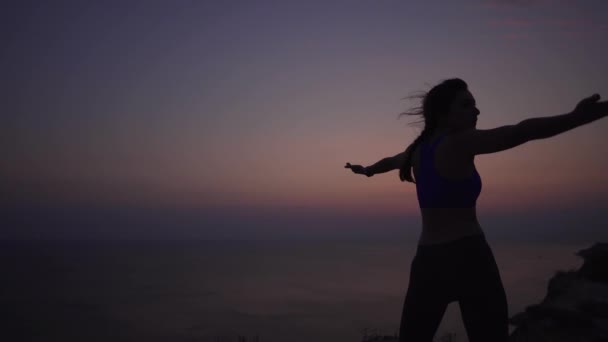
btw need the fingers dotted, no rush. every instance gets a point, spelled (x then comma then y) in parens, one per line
(584, 104)
(592, 98)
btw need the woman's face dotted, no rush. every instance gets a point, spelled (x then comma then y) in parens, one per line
(463, 112)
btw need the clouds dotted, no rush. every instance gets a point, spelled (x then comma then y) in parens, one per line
(518, 3)
(540, 20)
(522, 27)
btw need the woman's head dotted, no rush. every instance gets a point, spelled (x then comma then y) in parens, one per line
(447, 106)
(462, 113)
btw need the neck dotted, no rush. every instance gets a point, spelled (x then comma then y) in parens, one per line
(444, 130)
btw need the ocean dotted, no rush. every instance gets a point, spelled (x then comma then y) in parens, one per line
(272, 291)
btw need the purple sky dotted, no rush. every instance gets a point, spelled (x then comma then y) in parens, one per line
(233, 119)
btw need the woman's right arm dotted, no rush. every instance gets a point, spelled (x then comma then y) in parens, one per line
(474, 142)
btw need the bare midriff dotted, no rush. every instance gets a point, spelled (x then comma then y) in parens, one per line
(441, 225)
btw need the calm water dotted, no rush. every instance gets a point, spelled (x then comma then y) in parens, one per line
(206, 291)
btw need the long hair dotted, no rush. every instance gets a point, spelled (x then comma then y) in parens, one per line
(435, 103)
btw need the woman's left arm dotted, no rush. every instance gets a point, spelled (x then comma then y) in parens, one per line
(387, 164)
(384, 165)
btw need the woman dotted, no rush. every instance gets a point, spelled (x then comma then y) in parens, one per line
(453, 261)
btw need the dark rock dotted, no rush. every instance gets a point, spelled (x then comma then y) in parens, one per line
(596, 262)
(575, 307)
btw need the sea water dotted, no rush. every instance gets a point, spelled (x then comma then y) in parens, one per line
(275, 291)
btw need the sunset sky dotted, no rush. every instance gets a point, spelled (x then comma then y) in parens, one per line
(234, 119)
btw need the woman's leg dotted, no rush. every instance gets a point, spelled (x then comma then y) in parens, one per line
(424, 304)
(483, 302)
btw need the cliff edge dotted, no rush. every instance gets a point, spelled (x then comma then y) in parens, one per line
(575, 307)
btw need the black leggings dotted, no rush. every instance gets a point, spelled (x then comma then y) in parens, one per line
(463, 270)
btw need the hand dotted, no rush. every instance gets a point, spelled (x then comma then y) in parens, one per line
(591, 105)
(358, 169)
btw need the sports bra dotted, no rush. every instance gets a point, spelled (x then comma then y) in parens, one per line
(435, 191)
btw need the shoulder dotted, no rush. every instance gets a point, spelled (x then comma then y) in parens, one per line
(475, 141)
(454, 138)
(450, 146)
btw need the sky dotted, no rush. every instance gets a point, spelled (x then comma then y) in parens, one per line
(234, 119)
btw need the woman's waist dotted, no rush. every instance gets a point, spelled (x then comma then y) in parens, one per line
(460, 252)
(448, 217)
(437, 231)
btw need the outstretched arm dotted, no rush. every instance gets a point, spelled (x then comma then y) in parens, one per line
(384, 165)
(476, 141)
(588, 110)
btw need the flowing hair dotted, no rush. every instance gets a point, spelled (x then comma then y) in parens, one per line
(434, 103)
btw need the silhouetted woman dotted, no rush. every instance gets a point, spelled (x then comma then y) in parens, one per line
(453, 261)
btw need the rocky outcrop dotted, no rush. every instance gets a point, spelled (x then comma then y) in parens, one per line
(575, 307)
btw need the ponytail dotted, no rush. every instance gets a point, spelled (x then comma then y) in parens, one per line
(405, 173)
